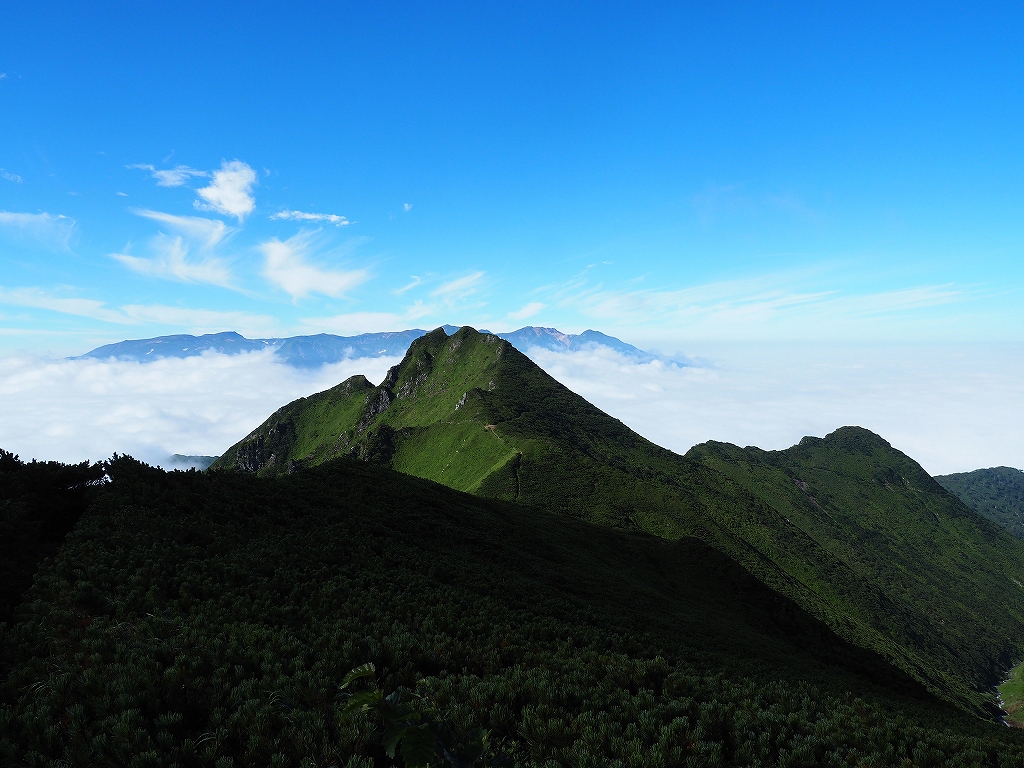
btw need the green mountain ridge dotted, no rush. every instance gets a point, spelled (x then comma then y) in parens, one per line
(852, 530)
(996, 493)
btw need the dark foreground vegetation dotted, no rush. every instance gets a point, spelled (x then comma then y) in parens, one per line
(39, 504)
(214, 619)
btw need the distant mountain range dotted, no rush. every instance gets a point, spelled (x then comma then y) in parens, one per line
(322, 348)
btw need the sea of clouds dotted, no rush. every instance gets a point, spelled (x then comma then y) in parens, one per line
(951, 408)
(72, 410)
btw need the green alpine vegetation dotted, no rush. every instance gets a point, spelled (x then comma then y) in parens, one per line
(852, 530)
(996, 493)
(223, 620)
(1011, 695)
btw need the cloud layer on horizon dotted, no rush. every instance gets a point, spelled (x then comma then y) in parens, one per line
(952, 409)
(72, 410)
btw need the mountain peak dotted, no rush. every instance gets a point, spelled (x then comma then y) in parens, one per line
(458, 409)
(856, 439)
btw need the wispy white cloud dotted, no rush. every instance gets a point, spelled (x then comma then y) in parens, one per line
(446, 298)
(406, 207)
(188, 256)
(202, 320)
(777, 305)
(287, 265)
(46, 229)
(181, 318)
(207, 232)
(412, 284)
(354, 323)
(122, 194)
(230, 191)
(172, 263)
(170, 177)
(418, 309)
(5, 174)
(460, 288)
(529, 310)
(36, 298)
(330, 218)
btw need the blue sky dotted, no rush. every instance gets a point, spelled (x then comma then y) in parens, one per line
(671, 174)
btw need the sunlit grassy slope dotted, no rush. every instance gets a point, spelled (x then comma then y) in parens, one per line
(853, 530)
(1011, 693)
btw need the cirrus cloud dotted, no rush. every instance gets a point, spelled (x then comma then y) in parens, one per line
(794, 304)
(169, 177)
(529, 310)
(180, 318)
(355, 323)
(49, 230)
(173, 254)
(330, 218)
(172, 263)
(460, 288)
(287, 265)
(36, 298)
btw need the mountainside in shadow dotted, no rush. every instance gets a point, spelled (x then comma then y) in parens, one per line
(996, 493)
(40, 502)
(852, 530)
(212, 619)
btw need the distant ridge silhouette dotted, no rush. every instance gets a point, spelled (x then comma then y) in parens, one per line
(319, 349)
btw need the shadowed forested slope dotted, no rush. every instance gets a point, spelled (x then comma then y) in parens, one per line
(865, 527)
(210, 619)
(39, 503)
(853, 530)
(996, 493)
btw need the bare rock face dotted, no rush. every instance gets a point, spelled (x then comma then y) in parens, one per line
(376, 404)
(261, 450)
(409, 388)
